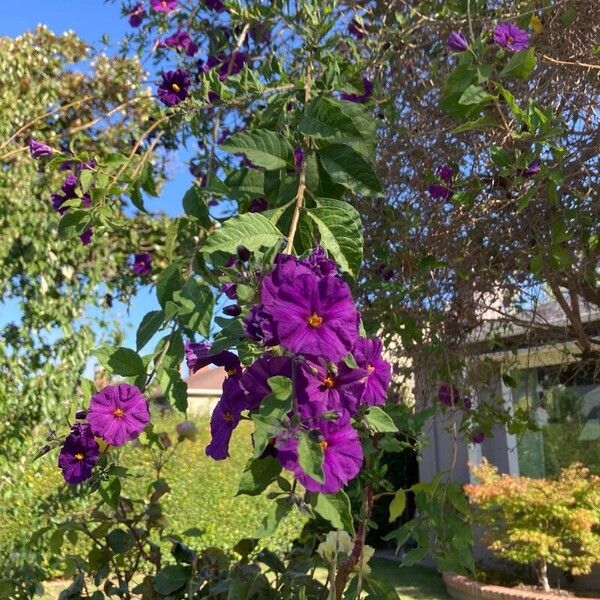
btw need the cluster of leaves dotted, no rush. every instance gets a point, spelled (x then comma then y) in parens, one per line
(540, 521)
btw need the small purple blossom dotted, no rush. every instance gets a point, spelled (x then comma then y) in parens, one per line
(57, 201)
(142, 263)
(181, 40)
(174, 87)
(440, 192)
(342, 456)
(243, 253)
(230, 290)
(232, 310)
(79, 454)
(457, 42)
(368, 354)
(86, 237)
(225, 418)
(511, 37)
(445, 173)
(448, 395)
(137, 14)
(216, 5)
(68, 186)
(357, 29)
(198, 356)
(315, 317)
(359, 98)
(532, 169)
(319, 264)
(118, 413)
(163, 6)
(298, 158)
(259, 326)
(258, 205)
(477, 437)
(39, 149)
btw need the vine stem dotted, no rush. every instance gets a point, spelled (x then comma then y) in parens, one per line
(299, 202)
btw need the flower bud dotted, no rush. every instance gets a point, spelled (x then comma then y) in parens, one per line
(232, 310)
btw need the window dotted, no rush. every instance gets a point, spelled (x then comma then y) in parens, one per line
(564, 404)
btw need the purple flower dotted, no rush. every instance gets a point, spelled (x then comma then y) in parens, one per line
(368, 355)
(86, 237)
(457, 42)
(230, 290)
(181, 40)
(225, 418)
(39, 149)
(511, 37)
(323, 388)
(228, 64)
(319, 264)
(258, 205)
(532, 169)
(198, 356)
(448, 395)
(359, 98)
(57, 202)
(142, 263)
(232, 310)
(287, 268)
(213, 97)
(445, 173)
(357, 29)
(216, 5)
(478, 437)
(88, 165)
(163, 6)
(342, 456)
(68, 186)
(79, 454)
(440, 192)
(315, 317)
(174, 87)
(254, 380)
(137, 14)
(258, 326)
(298, 158)
(118, 413)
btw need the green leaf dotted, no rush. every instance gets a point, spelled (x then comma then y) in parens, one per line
(310, 457)
(380, 421)
(397, 505)
(169, 281)
(520, 65)
(415, 555)
(253, 230)
(195, 207)
(475, 94)
(174, 389)
(380, 589)
(264, 148)
(480, 124)
(170, 579)
(335, 508)
(197, 304)
(73, 223)
(119, 540)
(150, 324)
(326, 119)
(347, 167)
(120, 361)
(340, 229)
(258, 474)
(277, 511)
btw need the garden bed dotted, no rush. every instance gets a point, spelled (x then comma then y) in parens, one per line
(462, 588)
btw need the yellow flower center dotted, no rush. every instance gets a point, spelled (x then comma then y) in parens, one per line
(79, 456)
(329, 382)
(228, 417)
(118, 412)
(510, 39)
(370, 368)
(164, 3)
(175, 87)
(323, 444)
(315, 320)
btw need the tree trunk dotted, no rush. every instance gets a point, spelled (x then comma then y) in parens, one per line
(543, 575)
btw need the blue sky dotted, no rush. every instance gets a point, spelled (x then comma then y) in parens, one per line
(90, 19)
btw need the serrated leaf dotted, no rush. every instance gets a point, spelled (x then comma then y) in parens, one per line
(258, 474)
(264, 148)
(340, 229)
(120, 361)
(253, 230)
(397, 505)
(520, 65)
(148, 327)
(380, 421)
(350, 169)
(310, 457)
(335, 508)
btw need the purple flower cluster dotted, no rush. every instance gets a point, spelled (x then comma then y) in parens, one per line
(117, 414)
(307, 311)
